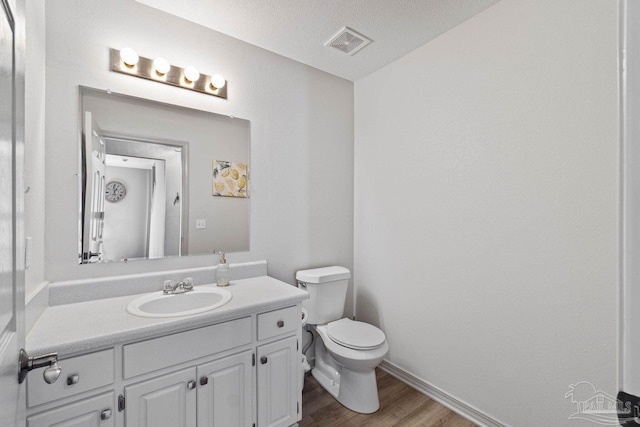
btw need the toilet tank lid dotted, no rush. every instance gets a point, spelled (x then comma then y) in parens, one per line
(324, 274)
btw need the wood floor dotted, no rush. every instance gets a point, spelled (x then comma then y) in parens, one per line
(400, 405)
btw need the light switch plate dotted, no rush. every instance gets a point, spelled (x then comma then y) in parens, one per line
(201, 224)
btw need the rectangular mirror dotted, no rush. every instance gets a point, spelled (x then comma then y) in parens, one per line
(159, 180)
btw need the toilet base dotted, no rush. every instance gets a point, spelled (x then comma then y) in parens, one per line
(356, 390)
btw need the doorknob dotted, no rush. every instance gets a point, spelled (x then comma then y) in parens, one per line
(28, 363)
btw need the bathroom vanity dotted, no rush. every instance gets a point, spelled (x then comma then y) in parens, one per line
(237, 365)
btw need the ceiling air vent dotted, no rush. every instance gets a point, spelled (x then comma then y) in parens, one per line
(348, 41)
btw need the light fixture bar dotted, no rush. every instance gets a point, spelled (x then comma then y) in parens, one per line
(175, 76)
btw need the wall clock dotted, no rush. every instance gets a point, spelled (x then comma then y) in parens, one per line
(115, 191)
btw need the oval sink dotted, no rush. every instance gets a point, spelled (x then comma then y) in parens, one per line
(197, 301)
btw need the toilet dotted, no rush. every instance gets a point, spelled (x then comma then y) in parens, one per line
(346, 351)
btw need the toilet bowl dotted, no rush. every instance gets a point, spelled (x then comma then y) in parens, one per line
(346, 351)
(348, 373)
(355, 345)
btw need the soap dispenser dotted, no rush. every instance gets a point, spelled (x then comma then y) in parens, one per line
(222, 274)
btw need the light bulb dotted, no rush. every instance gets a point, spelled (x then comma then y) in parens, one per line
(161, 65)
(217, 81)
(129, 56)
(191, 74)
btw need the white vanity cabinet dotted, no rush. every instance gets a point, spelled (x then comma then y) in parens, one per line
(219, 393)
(241, 372)
(221, 396)
(278, 386)
(209, 392)
(279, 394)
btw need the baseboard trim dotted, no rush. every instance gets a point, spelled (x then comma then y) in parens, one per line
(456, 405)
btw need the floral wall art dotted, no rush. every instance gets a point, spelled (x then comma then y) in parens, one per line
(230, 179)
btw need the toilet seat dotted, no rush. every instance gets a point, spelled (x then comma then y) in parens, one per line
(356, 335)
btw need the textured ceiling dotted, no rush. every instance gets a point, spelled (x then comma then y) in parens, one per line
(298, 29)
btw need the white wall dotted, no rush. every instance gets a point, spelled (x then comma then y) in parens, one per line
(486, 191)
(34, 146)
(301, 133)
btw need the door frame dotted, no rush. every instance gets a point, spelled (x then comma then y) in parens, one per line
(629, 198)
(13, 341)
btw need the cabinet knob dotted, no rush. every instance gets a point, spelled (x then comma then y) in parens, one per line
(106, 414)
(263, 360)
(204, 380)
(280, 323)
(191, 385)
(73, 379)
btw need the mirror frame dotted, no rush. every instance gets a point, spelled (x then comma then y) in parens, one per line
(82, 175)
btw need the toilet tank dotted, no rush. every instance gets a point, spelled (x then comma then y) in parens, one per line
(327, 288)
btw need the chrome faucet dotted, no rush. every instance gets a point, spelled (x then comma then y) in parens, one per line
(172, 287)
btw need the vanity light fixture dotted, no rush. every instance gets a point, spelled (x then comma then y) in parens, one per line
(129, 56)
(191, 74)
(127, 61)
(161, 66)
(217, 81)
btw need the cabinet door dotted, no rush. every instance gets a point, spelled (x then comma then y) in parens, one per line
(98, 411)
(278, 388)
(169, 400)
(225, 390)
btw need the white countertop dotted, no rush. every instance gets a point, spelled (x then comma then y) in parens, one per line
(82, 327)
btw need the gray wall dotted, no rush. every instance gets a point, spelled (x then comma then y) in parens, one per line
(301, 133)
(486, 197)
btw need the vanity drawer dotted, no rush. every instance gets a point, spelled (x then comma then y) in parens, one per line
(78, 375)
(148, 356)
(278, 322)
(96, 411)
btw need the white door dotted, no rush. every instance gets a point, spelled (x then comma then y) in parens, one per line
(166, 401)
(12, 402)
(278, 387)
(95, 152)
(225, 390)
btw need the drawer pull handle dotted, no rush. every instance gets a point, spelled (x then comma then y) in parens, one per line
(263, 360)
(106, 414)
(191, 385)
(73, 379)
(204, 380)
(280, 323)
